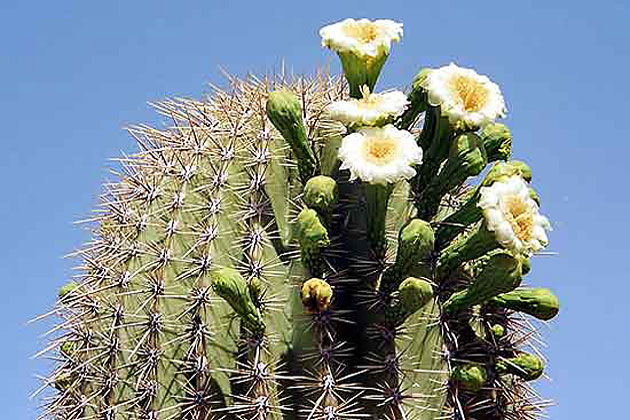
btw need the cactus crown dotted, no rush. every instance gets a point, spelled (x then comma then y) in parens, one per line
(259, 259)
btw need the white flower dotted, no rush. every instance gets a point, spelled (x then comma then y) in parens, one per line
(372, 109)
(467, 98)
(513, 216)
(380, 155)
(362, 37)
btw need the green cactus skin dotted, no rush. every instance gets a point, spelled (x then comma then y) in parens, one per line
(537, 302)
(526, 366)
(206, 291)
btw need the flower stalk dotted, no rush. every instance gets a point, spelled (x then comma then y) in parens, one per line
(377, 197)
(285, 113)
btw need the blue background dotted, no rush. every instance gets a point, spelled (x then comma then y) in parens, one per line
(73, 73)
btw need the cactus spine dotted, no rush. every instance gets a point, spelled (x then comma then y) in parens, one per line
(259, 259)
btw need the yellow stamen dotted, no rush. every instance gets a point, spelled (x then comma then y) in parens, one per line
(365, 32)
(470, 93)
(520, 217)
(379, 150)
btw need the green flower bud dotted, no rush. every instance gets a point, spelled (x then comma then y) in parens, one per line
(67, 289)
(316, 295)
(467, 155)
(466, 248)
(321, 193)
(534, 196)
(467, 158)
(285, 113)
(415, 243)
(497, 141)
(525, 170)
(501, 274)
(417, 102)
(526, 366)
(313, 237)
(539, 303)
(470, 377)
(414, 293)
(498, 330)
(503, 170)
(228, 284)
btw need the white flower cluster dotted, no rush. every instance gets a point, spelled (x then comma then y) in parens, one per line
(377, 152)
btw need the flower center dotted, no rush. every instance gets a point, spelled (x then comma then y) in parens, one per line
(518, 213)
(368, 100)
(469, 92)
(365, 32)
(380, 150)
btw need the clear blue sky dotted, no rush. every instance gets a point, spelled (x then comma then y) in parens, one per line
(75, 72)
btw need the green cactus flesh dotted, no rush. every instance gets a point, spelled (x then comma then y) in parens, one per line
(236, 273)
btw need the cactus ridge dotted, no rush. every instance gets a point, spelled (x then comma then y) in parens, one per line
(236, 272)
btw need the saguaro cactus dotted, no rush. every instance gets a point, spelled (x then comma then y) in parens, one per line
(305, 248)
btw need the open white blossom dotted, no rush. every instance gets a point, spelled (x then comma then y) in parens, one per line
(362, 37)
(372, 109)
(513, 216)
(380, 155)
(467, 98)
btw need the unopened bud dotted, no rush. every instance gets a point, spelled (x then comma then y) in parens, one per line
(316, 295)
